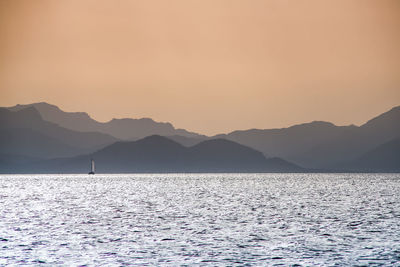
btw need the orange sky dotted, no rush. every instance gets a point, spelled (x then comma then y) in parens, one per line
(209, 66)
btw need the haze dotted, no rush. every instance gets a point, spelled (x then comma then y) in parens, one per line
(209, 66)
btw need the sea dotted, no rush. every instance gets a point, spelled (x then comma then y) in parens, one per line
(200, 220)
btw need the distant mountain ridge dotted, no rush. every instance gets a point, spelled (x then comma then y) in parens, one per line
(160, 154)
(286, 142)
(353, 143)
(24, 132)
(321, 144)
(126, 129)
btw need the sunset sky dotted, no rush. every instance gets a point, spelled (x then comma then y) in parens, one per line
(208, 66)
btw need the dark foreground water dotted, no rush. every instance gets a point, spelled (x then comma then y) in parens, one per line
(200, 219)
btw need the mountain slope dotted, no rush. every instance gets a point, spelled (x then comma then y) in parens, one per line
(385, 126)
(383, 158)
(31, 143)
(186, 141)
(12, 163)
(220, 154)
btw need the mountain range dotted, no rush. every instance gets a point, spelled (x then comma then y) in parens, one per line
(40, 137)
(322, 144)
(24, 132)
(159, 154)
(124, 129)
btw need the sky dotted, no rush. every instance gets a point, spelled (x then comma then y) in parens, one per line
(210, 66)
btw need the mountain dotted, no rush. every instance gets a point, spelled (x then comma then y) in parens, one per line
(317, 145)
(11, 163)
(160, 154)
(287, 142)
(383, 158)
(24, 132)
(385, 126)
(76, 121)
(218, 155)
(126, 129)
(353, 143)
(30, 143)
(321, 144)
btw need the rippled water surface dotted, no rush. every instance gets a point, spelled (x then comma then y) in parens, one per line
(200, 219)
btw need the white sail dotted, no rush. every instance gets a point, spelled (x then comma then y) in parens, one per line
(92, 166)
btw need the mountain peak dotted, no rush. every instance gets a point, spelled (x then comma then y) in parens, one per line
(219, 142)
(313, 124)
(144, 120)
(51, 112)
(45, 104)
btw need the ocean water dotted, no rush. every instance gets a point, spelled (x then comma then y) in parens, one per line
(200, 219)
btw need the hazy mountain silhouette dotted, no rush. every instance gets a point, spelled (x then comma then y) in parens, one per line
(126, 129)
(385, 126)
(77, 121)
(30, 143)
(24, 132)
(12, 163)
(286, 142)
(384, 158)
(160, 154)
(321, 144)
(352, 143)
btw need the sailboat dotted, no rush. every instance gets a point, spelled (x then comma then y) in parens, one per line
(91, 167)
